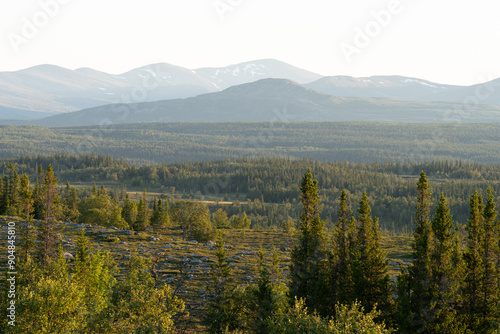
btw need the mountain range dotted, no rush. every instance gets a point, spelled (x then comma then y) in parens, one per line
(237, 92)
(273, 100)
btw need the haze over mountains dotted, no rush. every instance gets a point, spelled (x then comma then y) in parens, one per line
(272, 100)
(164, 92)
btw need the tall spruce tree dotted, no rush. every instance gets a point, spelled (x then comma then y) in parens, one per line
(308, 269)
(446, 274)
(341, 255)
(26, 206)
(490, 298)
(475, 267)
(413, 284)
(142, 221)
(38, 202)
(71, 212)
(46, 235)
(223, 310)
(13, 192)
(370, 278)
(129, 211)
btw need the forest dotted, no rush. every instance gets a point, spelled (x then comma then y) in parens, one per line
(337, 280)
(266, 188)
(365, 142)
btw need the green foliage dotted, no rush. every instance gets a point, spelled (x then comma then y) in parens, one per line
(240, 221)
(129, 211)
(446, 274)
(349, 319)
(219, 218)
(370, 278)
(95, 209)
(419, 270)
(160, 218)
(142, 221)
(194, 220)
(136, 306)
(342, 254)
(46, 235)
(308, 268)
(227, 304)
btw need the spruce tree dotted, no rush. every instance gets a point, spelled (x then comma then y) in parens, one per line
(342, 254)
(223, 309)
(308, 269)
(13, 192)
(46, 236)
(71, 212)
(160, 216)
(490, 298)
(142, 221)
(445, 280)
(26, 201)
(413, 298)
(116, 218)
(38, 203)
(475, 267)
(2, 197)
(129, 212)
(370, 278)
(419, 269)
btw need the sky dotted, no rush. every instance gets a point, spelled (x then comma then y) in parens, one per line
(445, 41)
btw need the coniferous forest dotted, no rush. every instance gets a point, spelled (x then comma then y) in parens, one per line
(336, 276)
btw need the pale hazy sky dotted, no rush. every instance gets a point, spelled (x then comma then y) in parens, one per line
(446, 41)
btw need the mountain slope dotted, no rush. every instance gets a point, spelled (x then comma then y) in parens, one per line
(255, 70)
(53, 89)
(394, 87)
(270, 100)
(405, 88)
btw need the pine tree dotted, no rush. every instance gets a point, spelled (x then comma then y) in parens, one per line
(445, 280)
(475, 266)
(370, 278)
(308, 269)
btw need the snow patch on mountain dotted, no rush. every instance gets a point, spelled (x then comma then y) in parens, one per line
(419, 82)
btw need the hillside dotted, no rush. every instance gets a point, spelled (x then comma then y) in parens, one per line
(270, 100)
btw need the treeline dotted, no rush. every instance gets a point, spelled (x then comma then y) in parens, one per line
(109, 209)
(267, 185)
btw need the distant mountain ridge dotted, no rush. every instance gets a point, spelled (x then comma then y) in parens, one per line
(252, 71)
(46, 90)
(43, 90)
(270, 100)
